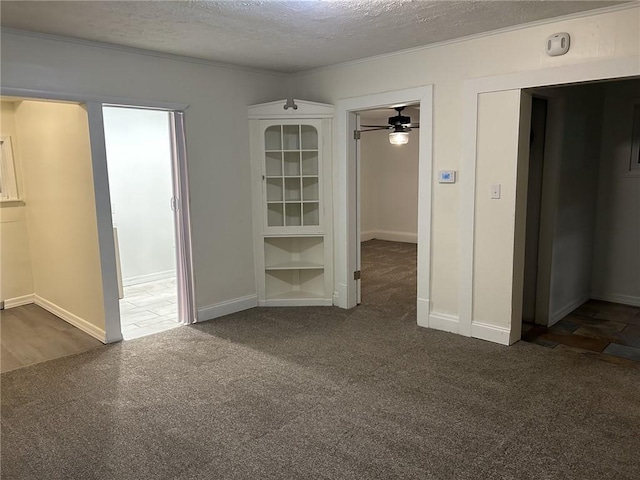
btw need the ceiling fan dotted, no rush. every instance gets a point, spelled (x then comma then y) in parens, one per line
(399, 126)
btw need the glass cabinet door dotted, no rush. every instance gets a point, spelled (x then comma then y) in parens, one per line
(292, 175)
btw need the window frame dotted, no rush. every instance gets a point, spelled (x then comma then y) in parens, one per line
(8, 180)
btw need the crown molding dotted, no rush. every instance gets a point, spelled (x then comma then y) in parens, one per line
(547, 21)
(142, 51)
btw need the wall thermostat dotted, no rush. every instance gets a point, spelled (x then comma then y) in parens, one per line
(558, 44)
(447, 176)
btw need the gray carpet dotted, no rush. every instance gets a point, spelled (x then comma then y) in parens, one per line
(323, 393)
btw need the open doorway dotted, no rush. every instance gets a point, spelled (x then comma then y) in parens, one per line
(139, 160)
(388, 206)
(50, 281)
(582, 247)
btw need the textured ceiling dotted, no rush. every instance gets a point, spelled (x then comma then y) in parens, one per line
(285, 36)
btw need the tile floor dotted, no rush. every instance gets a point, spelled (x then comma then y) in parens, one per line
(149, 308)
(603, 330)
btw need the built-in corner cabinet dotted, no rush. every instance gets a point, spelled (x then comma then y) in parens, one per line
(291, 167)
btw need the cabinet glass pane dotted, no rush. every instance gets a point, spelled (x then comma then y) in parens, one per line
(292, 188)
(273, 138)
(291, 137)
(310, 163)
(291, 164)
(311, 213)
(310, 188)
(275, 216)
(274, 164)
(274, 189)
(309, 136)
(294, 217)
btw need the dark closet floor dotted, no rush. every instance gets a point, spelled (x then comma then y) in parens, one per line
(603, 330)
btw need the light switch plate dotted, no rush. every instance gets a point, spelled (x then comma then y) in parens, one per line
(447, 176)
(495, 191)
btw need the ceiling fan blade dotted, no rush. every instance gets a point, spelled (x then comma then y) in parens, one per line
(375, 126)
(372, 128)
(413, 125)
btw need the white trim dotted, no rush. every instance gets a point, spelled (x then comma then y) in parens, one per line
(142, 51)
(405, 237)
(19, 301)
(296, 302)
(8, 179)
(71, 318)
(106, 240)
(468, 38)
(149, 277)
(492, 333)
(227, 307)
(609, 297)
(444, 321)
(422, 312)
(562, 312)
(346, 241)
(368, 235)
(276, 110)
(566, 74)
(29, 93)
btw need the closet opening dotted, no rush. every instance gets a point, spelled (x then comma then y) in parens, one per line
(581, 289)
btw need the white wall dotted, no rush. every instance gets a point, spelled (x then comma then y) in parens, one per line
(53, 141)
(596, 37)
(498, 142)
(216, 131)
(138, 146)
(16, 279)
(616, 264)
(576, 187)
(389, 182)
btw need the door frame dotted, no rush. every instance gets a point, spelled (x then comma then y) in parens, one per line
(346, 193)
(625, 67)
(106, 242)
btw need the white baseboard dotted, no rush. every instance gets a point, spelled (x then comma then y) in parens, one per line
(71, 318)
(422, 312)
(609, 297)
(491, 333)
(19, 301)
(443, 321)
(405, 237)
(366, 236)
(340, 297)
(150, 277)
(227, 307)
(562, 312)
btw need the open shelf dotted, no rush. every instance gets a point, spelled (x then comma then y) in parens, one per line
(294, 284)
(294, 250)
(295, 265)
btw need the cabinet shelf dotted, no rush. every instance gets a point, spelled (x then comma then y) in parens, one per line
(295, 295)
(295, 265)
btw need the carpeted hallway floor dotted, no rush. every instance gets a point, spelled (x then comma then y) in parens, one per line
(322, 393)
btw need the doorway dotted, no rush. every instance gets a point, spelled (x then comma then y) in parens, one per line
(387, 207)
(582, 272)
(51, 283)
(346, 235)
(139, 161)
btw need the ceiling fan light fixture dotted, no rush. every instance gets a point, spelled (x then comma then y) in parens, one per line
(399, 135)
